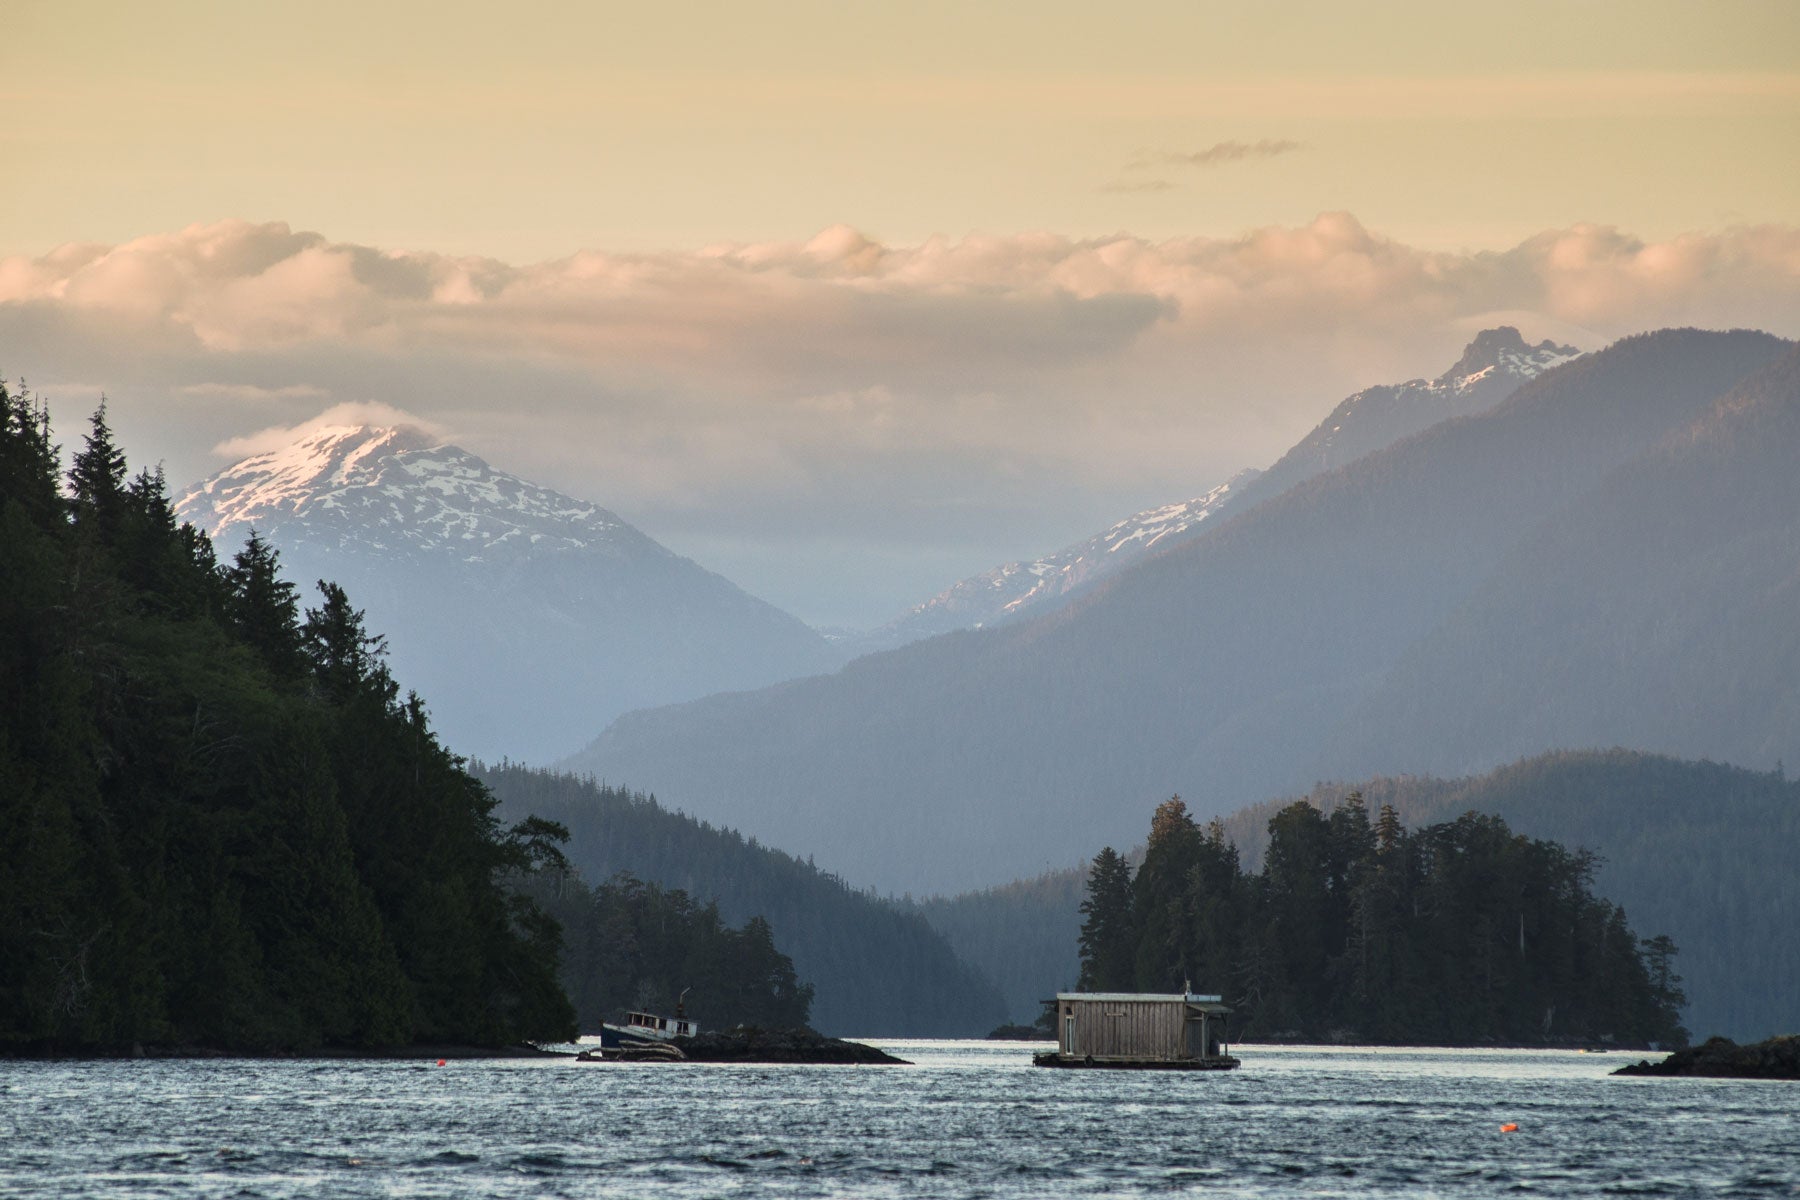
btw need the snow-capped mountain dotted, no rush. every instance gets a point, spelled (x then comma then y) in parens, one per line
(400, 492)
(522, 615)
(1491, 368)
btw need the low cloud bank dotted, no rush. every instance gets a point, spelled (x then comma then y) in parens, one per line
(840, 387)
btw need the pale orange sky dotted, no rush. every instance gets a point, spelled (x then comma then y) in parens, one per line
(530, 130)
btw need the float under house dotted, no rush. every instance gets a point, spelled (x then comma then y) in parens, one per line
(1145, 1030)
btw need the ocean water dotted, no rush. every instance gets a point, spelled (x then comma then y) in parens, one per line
(970, 1119)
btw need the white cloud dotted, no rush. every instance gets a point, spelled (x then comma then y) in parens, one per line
(354, 413)
(1003, 393)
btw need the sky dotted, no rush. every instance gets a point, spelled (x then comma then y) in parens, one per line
(850, 300)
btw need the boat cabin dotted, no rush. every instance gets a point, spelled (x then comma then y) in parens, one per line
(1140, 1029)
(661, 1028)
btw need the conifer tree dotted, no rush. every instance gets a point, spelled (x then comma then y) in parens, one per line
(97, 480)
(265, 607)
(1108, 936)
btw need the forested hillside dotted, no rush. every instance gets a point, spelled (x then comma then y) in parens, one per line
(1649, 616)
(1359, 929)
(222, 824)
(1019, 934)
(877, 969)
(630, 945)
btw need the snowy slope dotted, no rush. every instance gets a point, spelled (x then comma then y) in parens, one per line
(1018, 588)
(526, 618)
(399, 492)
(1493, 366)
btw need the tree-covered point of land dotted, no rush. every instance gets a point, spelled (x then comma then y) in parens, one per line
(221, 824)
(879, 969)
(632, 945)
(1462, 932)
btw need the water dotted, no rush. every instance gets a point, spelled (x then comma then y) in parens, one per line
(970, 1119)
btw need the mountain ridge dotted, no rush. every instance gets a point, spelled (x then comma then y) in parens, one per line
(1494, 364)
(1212, 669)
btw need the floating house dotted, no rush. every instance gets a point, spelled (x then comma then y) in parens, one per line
(1146, 1030)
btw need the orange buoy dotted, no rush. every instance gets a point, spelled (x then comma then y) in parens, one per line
(440, 1062)
(1509, 1127)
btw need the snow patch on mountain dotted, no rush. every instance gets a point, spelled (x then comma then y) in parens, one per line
(396, 490)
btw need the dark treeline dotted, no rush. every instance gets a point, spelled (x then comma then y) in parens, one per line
(1702, 851)
(631, 945)
(1461, 932)
(220, 823)
(878, 968)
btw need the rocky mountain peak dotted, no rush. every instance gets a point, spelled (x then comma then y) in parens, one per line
(1504, 349)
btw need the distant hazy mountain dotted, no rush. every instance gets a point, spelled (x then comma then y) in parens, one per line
(1491, 368)
(1225, 668)
(523, 615)
(1662, 613)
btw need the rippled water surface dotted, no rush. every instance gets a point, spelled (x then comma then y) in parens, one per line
(970, 1119)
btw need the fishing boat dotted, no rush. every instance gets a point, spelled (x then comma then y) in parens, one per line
(649, 1029)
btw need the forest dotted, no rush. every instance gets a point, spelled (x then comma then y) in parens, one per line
(223, 825)
(877, 966)
(1358, 928)
(631, 945)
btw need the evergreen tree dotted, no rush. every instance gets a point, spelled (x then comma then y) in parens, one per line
(265, 607)
(1107, 934)
(97, 481)
(1160, 899)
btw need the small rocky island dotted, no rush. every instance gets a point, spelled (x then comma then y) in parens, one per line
(746, 1044)
(1722, 1058)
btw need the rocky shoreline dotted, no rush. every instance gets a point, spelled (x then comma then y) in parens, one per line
(1722, 1058)
(749, 1045)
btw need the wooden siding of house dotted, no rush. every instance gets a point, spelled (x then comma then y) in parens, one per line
(1124, 1029)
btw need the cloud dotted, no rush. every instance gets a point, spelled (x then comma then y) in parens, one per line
(1216, 155)
(250, 392)
(274, 437)
(986, 396)
(1138, 185)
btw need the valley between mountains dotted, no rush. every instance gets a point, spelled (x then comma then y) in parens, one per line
(1534, 552)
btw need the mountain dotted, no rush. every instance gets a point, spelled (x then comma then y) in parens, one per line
(1221, 669)
(877, 969)
(1019, 589)
(1491, 368)
(527, 616)
(1664, 613)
